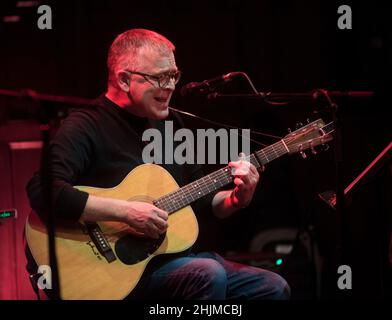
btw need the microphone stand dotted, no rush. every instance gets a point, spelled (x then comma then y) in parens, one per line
(46, 172)
(292, 96)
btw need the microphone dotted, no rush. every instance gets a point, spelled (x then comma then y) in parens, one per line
(206, 85)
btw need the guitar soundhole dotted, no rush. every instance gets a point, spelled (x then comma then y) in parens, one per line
(130, 249)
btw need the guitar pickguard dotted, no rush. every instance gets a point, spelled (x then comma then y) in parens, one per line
(131, 249)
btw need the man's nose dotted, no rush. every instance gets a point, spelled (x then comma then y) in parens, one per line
(171, 85)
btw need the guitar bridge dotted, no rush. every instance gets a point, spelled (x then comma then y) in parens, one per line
(100, 241)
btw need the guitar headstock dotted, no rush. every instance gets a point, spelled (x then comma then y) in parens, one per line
(309, 136)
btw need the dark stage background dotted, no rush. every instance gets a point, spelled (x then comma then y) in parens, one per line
(284, 46)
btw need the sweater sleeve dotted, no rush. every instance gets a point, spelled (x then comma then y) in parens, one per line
(71, 151)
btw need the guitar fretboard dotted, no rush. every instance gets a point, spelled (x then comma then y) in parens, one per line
(193, 191)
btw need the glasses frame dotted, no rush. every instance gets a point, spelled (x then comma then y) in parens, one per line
(176, 75)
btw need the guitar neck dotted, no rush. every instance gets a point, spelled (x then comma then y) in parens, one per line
(193, 191)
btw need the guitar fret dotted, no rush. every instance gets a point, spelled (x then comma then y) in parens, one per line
(265, 156)
(197, 186)
(191, 195)
(273, 149)
(204, 190)
(285, 146)
(212, 183)
(253, 160)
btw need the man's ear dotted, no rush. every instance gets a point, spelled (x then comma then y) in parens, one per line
(123, 81)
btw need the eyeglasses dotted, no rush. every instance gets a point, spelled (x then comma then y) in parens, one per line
(162, 80)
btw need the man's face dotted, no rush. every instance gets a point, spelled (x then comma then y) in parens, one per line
(146, 97)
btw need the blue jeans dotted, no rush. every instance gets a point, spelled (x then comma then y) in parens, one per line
(207, 276)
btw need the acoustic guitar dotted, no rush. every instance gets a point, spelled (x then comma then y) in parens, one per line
(105, 260)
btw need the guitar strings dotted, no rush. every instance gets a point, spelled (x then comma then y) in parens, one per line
(268, 154)
(189, 189)
(188, 193)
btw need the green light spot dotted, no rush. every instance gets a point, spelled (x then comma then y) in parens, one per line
(5, 214)
(279, 262)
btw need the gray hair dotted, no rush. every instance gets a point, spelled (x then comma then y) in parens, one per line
(123, 52)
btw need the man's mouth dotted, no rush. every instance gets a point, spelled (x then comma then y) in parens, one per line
(161, 100)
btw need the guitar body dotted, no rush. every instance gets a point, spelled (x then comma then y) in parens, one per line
(84, 273)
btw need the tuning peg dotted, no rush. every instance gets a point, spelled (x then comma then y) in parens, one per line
(311, 146)
(302, 153)
(308, 120)
(298, 125)
(289, 130)
(325, 146)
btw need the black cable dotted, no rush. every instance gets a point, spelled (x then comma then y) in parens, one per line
(47, 183)
(228, 126)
